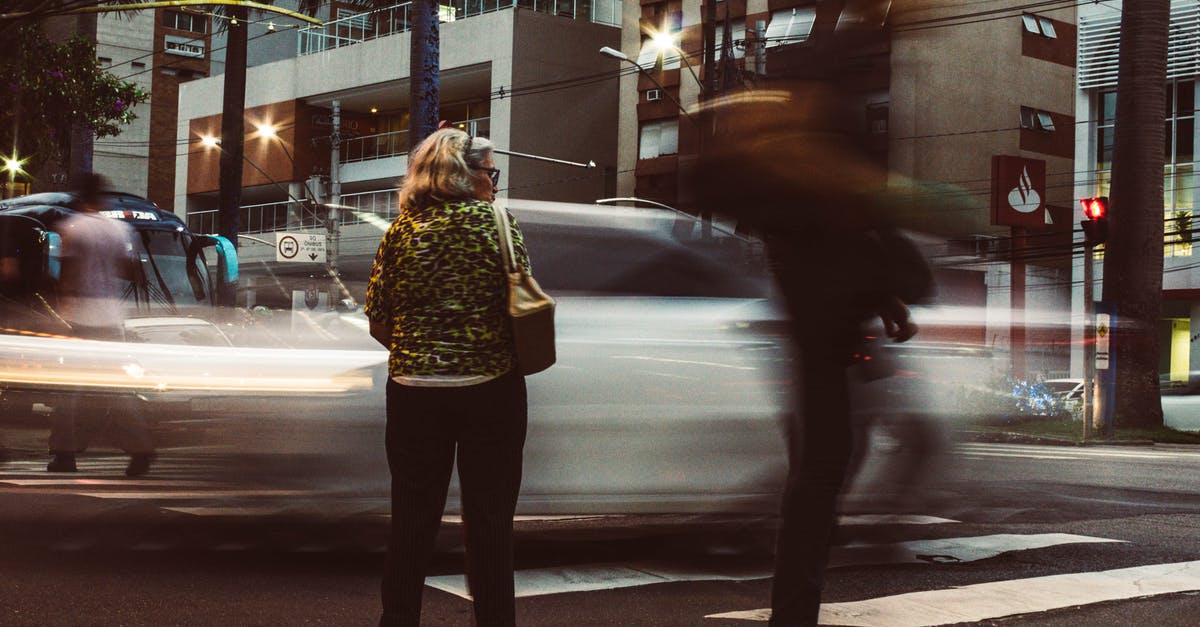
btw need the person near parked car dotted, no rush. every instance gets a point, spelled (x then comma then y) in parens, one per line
(436, 299)
(97, 255)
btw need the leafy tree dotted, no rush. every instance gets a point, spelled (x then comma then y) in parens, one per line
(48, 88)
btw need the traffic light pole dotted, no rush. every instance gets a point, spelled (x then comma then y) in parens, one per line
(1089, 338)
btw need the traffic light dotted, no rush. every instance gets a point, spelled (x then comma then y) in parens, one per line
(1095, 227)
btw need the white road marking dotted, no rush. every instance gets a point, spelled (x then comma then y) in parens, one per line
(543, 581)
(892, 519)
(1146, 453)
(950, 550)
(1022, 455)
(95, 482)
(249, 510)
(457, 519)
(193, 494)
(998, 599)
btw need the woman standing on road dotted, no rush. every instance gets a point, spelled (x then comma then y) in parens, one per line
(437, 300)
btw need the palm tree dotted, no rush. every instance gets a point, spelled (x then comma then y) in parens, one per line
(1134, 257)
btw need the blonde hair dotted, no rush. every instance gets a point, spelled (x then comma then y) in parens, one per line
(440, 168)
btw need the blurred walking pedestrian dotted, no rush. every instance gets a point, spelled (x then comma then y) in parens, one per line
(437, 300)
(97, 255)
(787, 162)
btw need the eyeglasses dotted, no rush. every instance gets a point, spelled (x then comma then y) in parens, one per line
(493, 173)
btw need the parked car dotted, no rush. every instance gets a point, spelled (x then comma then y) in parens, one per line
(1067, 395)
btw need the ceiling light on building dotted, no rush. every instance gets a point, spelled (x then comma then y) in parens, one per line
(265, 130)
(209, 141)
(374, 109)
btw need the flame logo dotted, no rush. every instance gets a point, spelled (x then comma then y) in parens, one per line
(1024, 197)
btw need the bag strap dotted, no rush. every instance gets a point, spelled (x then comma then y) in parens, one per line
(507, 254)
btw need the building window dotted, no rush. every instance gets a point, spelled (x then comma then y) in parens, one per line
(738, 31)
(658, 138)
(790, 26)
(1179, 178)
(1036, 119)
(185, 21)
(1038, 25)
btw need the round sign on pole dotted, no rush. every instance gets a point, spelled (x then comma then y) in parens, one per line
(288, 247)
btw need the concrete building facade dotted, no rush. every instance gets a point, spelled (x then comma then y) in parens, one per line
(941, 93)
(1095, 108)
(527, 77)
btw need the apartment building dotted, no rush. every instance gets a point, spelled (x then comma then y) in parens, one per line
(1095, 108)
(973, 100)
(156, 49)
(524, 73)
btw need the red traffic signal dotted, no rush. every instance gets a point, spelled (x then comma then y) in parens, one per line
(1095, 208)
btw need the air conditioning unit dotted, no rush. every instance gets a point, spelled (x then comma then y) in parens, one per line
(653, 95)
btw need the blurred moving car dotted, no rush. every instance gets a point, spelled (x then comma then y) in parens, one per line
(673, 376)
(175, 330)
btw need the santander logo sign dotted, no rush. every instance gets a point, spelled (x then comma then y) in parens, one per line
(1019, 192)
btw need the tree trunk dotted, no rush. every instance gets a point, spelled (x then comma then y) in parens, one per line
(233, 109)
(1134, 256)
(424, 61)
(83, 138)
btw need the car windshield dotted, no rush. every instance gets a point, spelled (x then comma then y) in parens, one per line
(164, 282)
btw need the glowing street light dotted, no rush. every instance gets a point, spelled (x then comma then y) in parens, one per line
(13, 165)
(621, 56)
(664, 42)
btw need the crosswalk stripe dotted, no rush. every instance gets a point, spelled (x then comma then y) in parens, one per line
(1021, 455)
(95, 482)
(1148, 453)
(892, 519)
(543, 581)
(951, 550)
(998, 599)
(192, 494)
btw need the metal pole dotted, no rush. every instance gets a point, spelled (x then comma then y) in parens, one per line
(1089, 339)
(335, 199)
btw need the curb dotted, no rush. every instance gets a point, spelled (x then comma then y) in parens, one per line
(1009, 437)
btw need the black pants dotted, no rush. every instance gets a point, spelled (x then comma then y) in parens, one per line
(486, 423)
(819, 450)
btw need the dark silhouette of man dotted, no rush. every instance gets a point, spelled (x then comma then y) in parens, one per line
(786, 161)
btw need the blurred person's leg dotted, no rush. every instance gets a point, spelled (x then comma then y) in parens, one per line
(420, 453)
(819, 449)
(67, 438)
(491, 442)
(128, 424)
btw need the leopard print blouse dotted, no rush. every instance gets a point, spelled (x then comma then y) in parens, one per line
(438, 282)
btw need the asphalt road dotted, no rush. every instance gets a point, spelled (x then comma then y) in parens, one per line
(998, 534)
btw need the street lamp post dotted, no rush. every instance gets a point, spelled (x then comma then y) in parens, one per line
(621, 56)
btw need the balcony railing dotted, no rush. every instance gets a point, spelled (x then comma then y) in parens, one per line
(395, 19)
(293, 215)
(395, 143)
